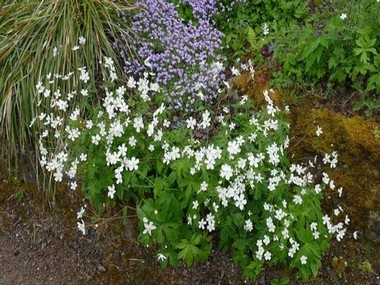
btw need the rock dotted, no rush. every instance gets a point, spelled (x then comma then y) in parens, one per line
(100, 268)
(222, 273)
(261, 280)
(91, 231)
(117, 255)
(88, 278)
(373, 229)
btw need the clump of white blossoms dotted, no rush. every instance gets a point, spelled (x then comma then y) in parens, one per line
(236, 181)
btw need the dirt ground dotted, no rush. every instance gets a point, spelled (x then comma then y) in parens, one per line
(43, 246)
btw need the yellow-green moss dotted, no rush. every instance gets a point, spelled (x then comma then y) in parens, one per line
(358, 171)
(254, 89)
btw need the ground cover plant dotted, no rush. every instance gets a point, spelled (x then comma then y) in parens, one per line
(235, 183)
(184, 55)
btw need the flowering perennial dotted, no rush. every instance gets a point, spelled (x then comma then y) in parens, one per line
(238, 183)
(183, 55)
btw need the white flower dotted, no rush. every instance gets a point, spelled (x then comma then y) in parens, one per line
(95, 139)
(132, 141)
(226, 171)
(325, 178)
(82, 40)
(83, 157)
(318, 188)
(161, 257)
(122, 150)
(340, 191)
(240, 202)
(303, 259)
(206, 120)
(313, 226)
(319, 131)
(131, 83)
(267, 255)
(166, 123)
(265, 29)
(297, 200)
(191, 122)
(73, 185)
(132, 164)
(343, 16)
(138, 123)
(147, 63)
(80, 213)
(55, 51)
(233, 148)
(204, 186)
(211, 222)
(89, 124)
(111, 191)
(347, 220)
(84, 92)
(84, 76)
(270, 225)
(148, 227)
(266, 240)
(235, 71)
(201, 224)
(248, 225)
(259, 253)
(82, 227)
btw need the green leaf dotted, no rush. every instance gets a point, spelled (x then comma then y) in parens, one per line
(251, 37)
(310, 48)
(125, 211)
(189, 251)
(159, 184)
(374, 82)
(315, 266)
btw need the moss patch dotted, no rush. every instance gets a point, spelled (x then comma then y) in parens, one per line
(358, 148)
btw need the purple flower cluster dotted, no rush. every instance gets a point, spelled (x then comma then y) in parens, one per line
(183, 55)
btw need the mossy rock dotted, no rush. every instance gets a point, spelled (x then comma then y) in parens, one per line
(358, 147)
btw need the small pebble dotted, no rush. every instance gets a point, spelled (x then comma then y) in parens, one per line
(117, 255)
(100, 268)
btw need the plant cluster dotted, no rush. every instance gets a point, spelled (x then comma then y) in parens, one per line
(30, 33)
(184, 55)
(339, 45)
(248, 25)
(234, 184)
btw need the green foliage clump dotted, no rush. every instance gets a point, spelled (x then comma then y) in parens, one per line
(340, 44)
(219, 176)
(249, 26)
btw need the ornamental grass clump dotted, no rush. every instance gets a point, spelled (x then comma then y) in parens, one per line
(184, 55)
(234, 188)
(34, 37)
